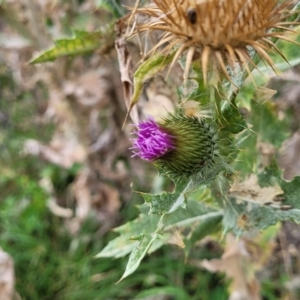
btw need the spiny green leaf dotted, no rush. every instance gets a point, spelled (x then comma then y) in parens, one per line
(117, 248)
(82, 42)
(232, 119)
(267, 176)
(138, 253)
(267, 128)
(257, 215)
(147, 70)
(267, 216)
(267, 125)
(123, 244)
(146, 241)
(167, 203)
(201, 92)
(194, 213)
(291, 189)
(209, 226)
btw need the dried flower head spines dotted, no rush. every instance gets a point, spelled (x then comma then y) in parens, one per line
(220, 32)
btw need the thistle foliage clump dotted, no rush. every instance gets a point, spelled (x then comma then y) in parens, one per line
(218, 44)
(221, 155)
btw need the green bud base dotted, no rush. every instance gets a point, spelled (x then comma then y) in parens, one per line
(197, 149)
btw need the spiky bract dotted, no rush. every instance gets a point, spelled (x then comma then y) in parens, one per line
(194, 146)
(196, 151)
(218, 32)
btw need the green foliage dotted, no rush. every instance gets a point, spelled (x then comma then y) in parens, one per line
(240, 138)
(52, 264)
(242, 190)
(113, 6)
(149, 232)
(82, 42)
(148, 69)
(166, 203)
(232, 120)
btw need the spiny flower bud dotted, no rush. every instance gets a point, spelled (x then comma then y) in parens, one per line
(181, 146)
(218, 32)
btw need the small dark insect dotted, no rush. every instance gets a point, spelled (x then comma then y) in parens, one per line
(191, 15)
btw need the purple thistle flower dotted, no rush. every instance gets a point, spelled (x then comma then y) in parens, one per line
(152, 141)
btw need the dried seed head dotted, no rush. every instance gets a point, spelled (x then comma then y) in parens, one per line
(220, 31)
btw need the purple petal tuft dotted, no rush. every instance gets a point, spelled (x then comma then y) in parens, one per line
(152, 141)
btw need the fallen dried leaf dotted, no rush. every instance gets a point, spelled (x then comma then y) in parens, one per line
(250, 191)
(7, 276)
(52, 204)
(60, 152)
(124, 59)
(237, 263)
(175, 238)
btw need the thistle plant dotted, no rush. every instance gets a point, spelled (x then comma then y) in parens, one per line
(218, 44)
(214, 157)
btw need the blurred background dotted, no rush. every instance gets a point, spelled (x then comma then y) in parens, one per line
(66, 172)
